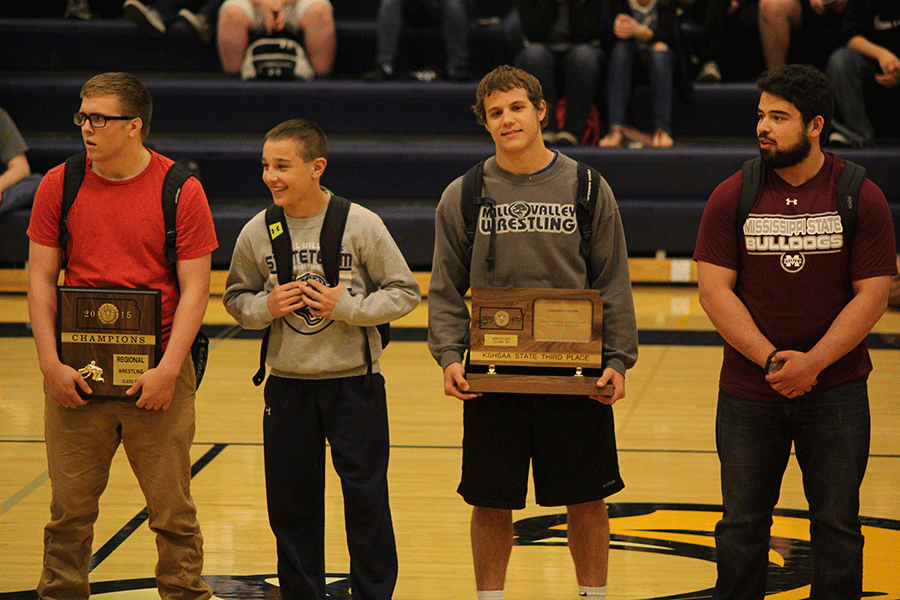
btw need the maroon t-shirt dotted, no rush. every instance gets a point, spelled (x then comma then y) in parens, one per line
(794, 271)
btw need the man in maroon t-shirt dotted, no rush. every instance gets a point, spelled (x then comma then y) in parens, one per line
(794, 297)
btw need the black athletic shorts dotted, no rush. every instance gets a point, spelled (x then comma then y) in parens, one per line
(569, 441)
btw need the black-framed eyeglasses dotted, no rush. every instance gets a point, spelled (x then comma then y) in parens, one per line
(96, 120)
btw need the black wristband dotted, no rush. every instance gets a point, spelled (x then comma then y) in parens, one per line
(769, 360)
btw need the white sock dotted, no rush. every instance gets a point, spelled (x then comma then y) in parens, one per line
(490, 595)
(592, 593)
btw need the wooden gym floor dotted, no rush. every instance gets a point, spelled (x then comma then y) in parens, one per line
(662, 521)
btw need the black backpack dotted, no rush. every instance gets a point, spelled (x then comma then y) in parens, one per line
(175, 178)
(330, 237)
(847, 195)
(588, 189)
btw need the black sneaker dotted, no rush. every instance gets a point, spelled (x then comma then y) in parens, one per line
(198, 25)
(379, 73)
(710, 73)
(78, 9)
(460, 74)
(145, 17)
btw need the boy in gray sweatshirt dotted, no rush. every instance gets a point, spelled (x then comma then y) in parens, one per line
(320, 384)
(568, 440)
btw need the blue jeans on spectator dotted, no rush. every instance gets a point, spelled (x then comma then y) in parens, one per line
(848, 69)
(580, 66)
(20, 194)
(454, 18)
(661, 66)
(830, 431)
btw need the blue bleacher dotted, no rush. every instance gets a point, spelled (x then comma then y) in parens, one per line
(394, 146)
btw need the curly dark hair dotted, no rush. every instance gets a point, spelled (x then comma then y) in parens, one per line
(804, 86)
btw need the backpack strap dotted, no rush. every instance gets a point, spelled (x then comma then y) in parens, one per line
(176, 176)
(73, 175)
(848, 198)
(585, 204)
(472, 183)
(282, 250)
(330, 237)
(750, 187)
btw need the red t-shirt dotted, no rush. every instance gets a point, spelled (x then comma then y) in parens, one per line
(117, 231)
(794, 273)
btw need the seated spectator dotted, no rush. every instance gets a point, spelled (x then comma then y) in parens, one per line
(808, 20)
(17, 183)
(562, 43)
(155, 17)
(239, 20)
(872, 31)
(643, 30)
(453, 15)
(730, 43)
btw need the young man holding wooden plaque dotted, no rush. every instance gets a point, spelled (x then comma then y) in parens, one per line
(568, 439)
(117, 241)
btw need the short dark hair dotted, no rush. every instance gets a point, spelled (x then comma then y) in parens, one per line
(130, 91)
(503, 79)
(311, 142)
(804, 86)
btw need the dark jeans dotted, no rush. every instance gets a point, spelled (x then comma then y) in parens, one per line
(453, 16)
(830, 433)
(850, 70)
(661, 68)
(580, 68)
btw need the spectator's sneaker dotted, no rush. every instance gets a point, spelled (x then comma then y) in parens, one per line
(145, 17)
(425, 75)
(379, 73)
(839, 140)
(564, 138)
(198, 25)
(78, 9)
(710, 73)
(460, 74)
(844, 137)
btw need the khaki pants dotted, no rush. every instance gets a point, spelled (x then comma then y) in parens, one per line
(81, 443)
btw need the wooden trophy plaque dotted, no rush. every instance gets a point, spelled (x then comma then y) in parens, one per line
(533, 327)
(110, 336)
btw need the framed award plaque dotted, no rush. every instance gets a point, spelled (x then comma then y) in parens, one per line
(536, 328)
(110, 336)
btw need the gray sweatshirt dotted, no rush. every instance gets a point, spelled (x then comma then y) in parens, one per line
(537, 246)
(379, 288)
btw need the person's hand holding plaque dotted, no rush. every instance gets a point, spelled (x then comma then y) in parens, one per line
(62, 382)
(455, 383)
(156, 388)
(610, 376)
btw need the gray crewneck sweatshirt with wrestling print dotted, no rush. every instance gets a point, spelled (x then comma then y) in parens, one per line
(379, 288)
(537, 245)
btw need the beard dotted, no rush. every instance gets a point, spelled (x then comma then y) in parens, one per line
(790, 156)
